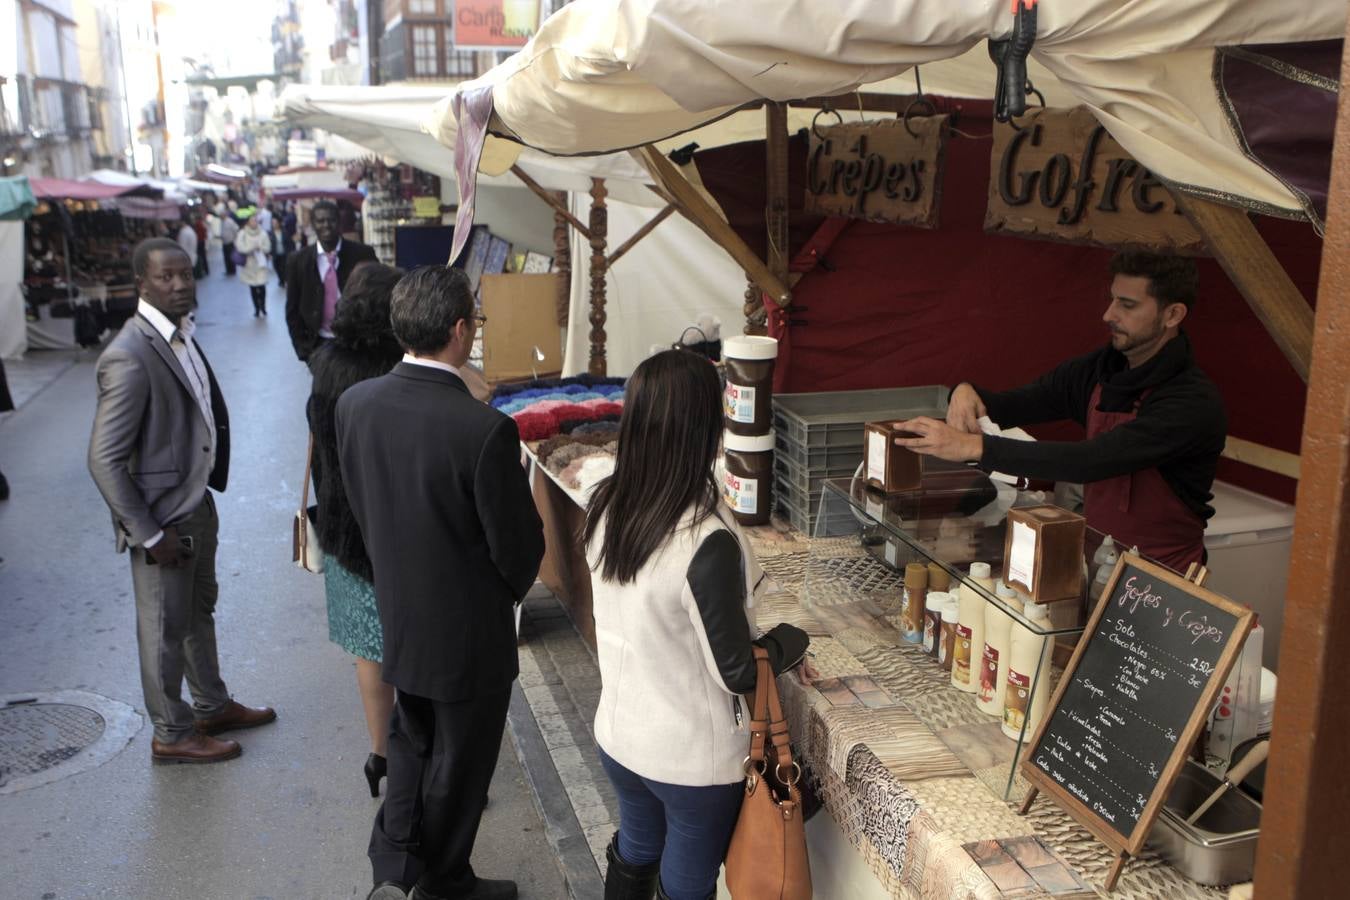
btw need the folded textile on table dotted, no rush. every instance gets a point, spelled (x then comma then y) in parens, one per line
(592, 470)
(563, 457)
(608, 426)
(547, 384)
(544, 450)
(536, 426)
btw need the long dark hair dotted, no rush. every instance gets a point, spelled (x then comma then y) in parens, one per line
(672, 419)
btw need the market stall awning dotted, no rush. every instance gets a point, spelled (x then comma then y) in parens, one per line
(16, 198)
(396, 122)
(604, 75)
(60, 189)
(168, 189)
(218, 174)
(148, 208)
(311, 193)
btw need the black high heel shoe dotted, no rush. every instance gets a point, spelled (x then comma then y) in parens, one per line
(376, 767)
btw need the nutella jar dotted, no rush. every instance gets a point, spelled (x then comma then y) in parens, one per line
(747, 486)
(747, 400)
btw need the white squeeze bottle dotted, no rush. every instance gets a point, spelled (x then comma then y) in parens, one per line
(1028, 648)
(970, 629)
(997, 651)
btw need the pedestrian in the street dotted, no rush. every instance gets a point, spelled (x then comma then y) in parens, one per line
(283, 245)
(316, 277)
(6, 405)
(672, 580)
(363, 347)
(435, 484)
(229, 231)
(265, 216)
(202, 268)
(187, 239)
(160, 445)
(255, 246)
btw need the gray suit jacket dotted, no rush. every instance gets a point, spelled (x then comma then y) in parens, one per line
(150, 449)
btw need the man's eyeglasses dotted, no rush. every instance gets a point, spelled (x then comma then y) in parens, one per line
(480, 319)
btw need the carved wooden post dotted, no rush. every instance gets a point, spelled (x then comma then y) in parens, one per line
(599, 228)
(776, 206)
(562, 262)
(756, 320)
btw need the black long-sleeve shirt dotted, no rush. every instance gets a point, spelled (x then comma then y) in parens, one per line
(1180, 428)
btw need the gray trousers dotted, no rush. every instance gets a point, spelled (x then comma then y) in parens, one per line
(176, 629)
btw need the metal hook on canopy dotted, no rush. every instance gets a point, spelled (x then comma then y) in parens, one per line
(825, 110)
(919, 100)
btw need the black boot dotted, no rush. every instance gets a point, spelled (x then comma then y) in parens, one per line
(625, 881)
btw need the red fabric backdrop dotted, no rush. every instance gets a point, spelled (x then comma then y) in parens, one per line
(894, 306)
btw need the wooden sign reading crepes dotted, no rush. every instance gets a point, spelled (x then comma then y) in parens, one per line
(878, 171)
(1060, 176)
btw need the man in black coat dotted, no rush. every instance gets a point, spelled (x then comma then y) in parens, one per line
(435, 484)
(314, 284)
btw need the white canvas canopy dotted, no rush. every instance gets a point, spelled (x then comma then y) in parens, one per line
(605, 75)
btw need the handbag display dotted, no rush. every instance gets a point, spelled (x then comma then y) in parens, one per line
(767, 857)
(305, 550)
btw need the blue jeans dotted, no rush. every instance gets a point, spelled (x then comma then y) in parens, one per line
(686, 828)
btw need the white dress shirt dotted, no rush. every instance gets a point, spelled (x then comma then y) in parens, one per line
(432, 364)
(184, 348)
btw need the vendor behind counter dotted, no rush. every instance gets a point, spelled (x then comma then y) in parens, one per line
(1155, 422)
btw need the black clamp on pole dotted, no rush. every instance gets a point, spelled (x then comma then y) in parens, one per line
(1010, 59)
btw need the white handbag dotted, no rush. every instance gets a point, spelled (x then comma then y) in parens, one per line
(305, 550)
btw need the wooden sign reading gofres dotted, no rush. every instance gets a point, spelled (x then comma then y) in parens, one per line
(1059, 175)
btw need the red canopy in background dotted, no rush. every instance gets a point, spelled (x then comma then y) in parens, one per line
(60, 189)
(354, 197)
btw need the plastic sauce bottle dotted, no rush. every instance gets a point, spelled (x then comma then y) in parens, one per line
(932, 619)
(997, 652)
(947, 636)
(1099, 583)
(970, 631)
(1106, 554)
(912, 606)
(1028, 650)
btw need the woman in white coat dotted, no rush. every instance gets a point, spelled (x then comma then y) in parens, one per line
(255, 245)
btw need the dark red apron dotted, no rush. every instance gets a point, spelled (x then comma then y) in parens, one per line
(1141, 509)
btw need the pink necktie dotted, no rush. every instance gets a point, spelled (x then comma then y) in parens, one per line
(330, 292)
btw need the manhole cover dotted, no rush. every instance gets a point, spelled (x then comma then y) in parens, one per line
(44, 737)
(36, 736)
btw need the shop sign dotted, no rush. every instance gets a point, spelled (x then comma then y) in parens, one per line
(880, 171)
(1060, 175)
(495, 24)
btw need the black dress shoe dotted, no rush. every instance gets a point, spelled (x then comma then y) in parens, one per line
(483, 889)
(376, 768)
(387, 890)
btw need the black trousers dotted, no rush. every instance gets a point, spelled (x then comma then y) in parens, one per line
(441, 758)
(227, 251)
(259, 293)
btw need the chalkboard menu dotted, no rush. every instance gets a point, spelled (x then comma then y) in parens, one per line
(1133, 699)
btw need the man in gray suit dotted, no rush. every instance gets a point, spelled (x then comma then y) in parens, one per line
(161, 438)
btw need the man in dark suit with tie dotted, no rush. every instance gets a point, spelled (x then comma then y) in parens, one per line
(435, 483)
(161, 438)
(314, 283)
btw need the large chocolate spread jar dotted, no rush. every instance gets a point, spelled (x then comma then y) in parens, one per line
(747, 486)
(747, 402)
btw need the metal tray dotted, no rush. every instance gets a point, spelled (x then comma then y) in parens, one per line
(1221, 847)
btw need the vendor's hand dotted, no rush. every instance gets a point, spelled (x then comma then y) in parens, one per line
(806, 672)
(964, 409)
(168, 551)
(939, 439)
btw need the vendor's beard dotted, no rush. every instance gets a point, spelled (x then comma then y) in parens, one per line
(1133, 342)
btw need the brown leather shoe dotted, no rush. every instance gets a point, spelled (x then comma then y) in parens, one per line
(235, 716)
(195, 748)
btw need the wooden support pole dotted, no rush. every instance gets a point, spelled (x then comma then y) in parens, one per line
(692, 205)
(562, 262)
(1260, 278)
(598, 232)
(551, 199)
(641, 233)
(1303, 835)
(776, 192)
(756, 318)
(1281, 462)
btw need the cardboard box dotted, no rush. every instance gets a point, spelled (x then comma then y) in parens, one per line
(522, 317)
(890, 468)
(1043, 552)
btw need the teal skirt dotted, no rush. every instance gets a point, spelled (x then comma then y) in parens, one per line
(353, 620)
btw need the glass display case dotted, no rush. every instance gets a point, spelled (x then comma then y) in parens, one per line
(862, 541)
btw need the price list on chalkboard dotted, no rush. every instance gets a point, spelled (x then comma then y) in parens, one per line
(1127, 709)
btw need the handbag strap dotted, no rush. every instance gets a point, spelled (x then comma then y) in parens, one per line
(768, 724)
(309, 464)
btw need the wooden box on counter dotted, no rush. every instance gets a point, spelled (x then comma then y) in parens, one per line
(1043, 552)
(890, 468)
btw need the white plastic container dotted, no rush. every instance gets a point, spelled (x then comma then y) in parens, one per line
(934, 604)
(970, 631)
(997, 652)
(1028, 650)
(1248, 542)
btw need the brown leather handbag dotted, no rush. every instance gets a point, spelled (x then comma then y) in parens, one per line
(767, 858)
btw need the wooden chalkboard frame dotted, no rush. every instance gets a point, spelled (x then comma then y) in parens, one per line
(1080, 812)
